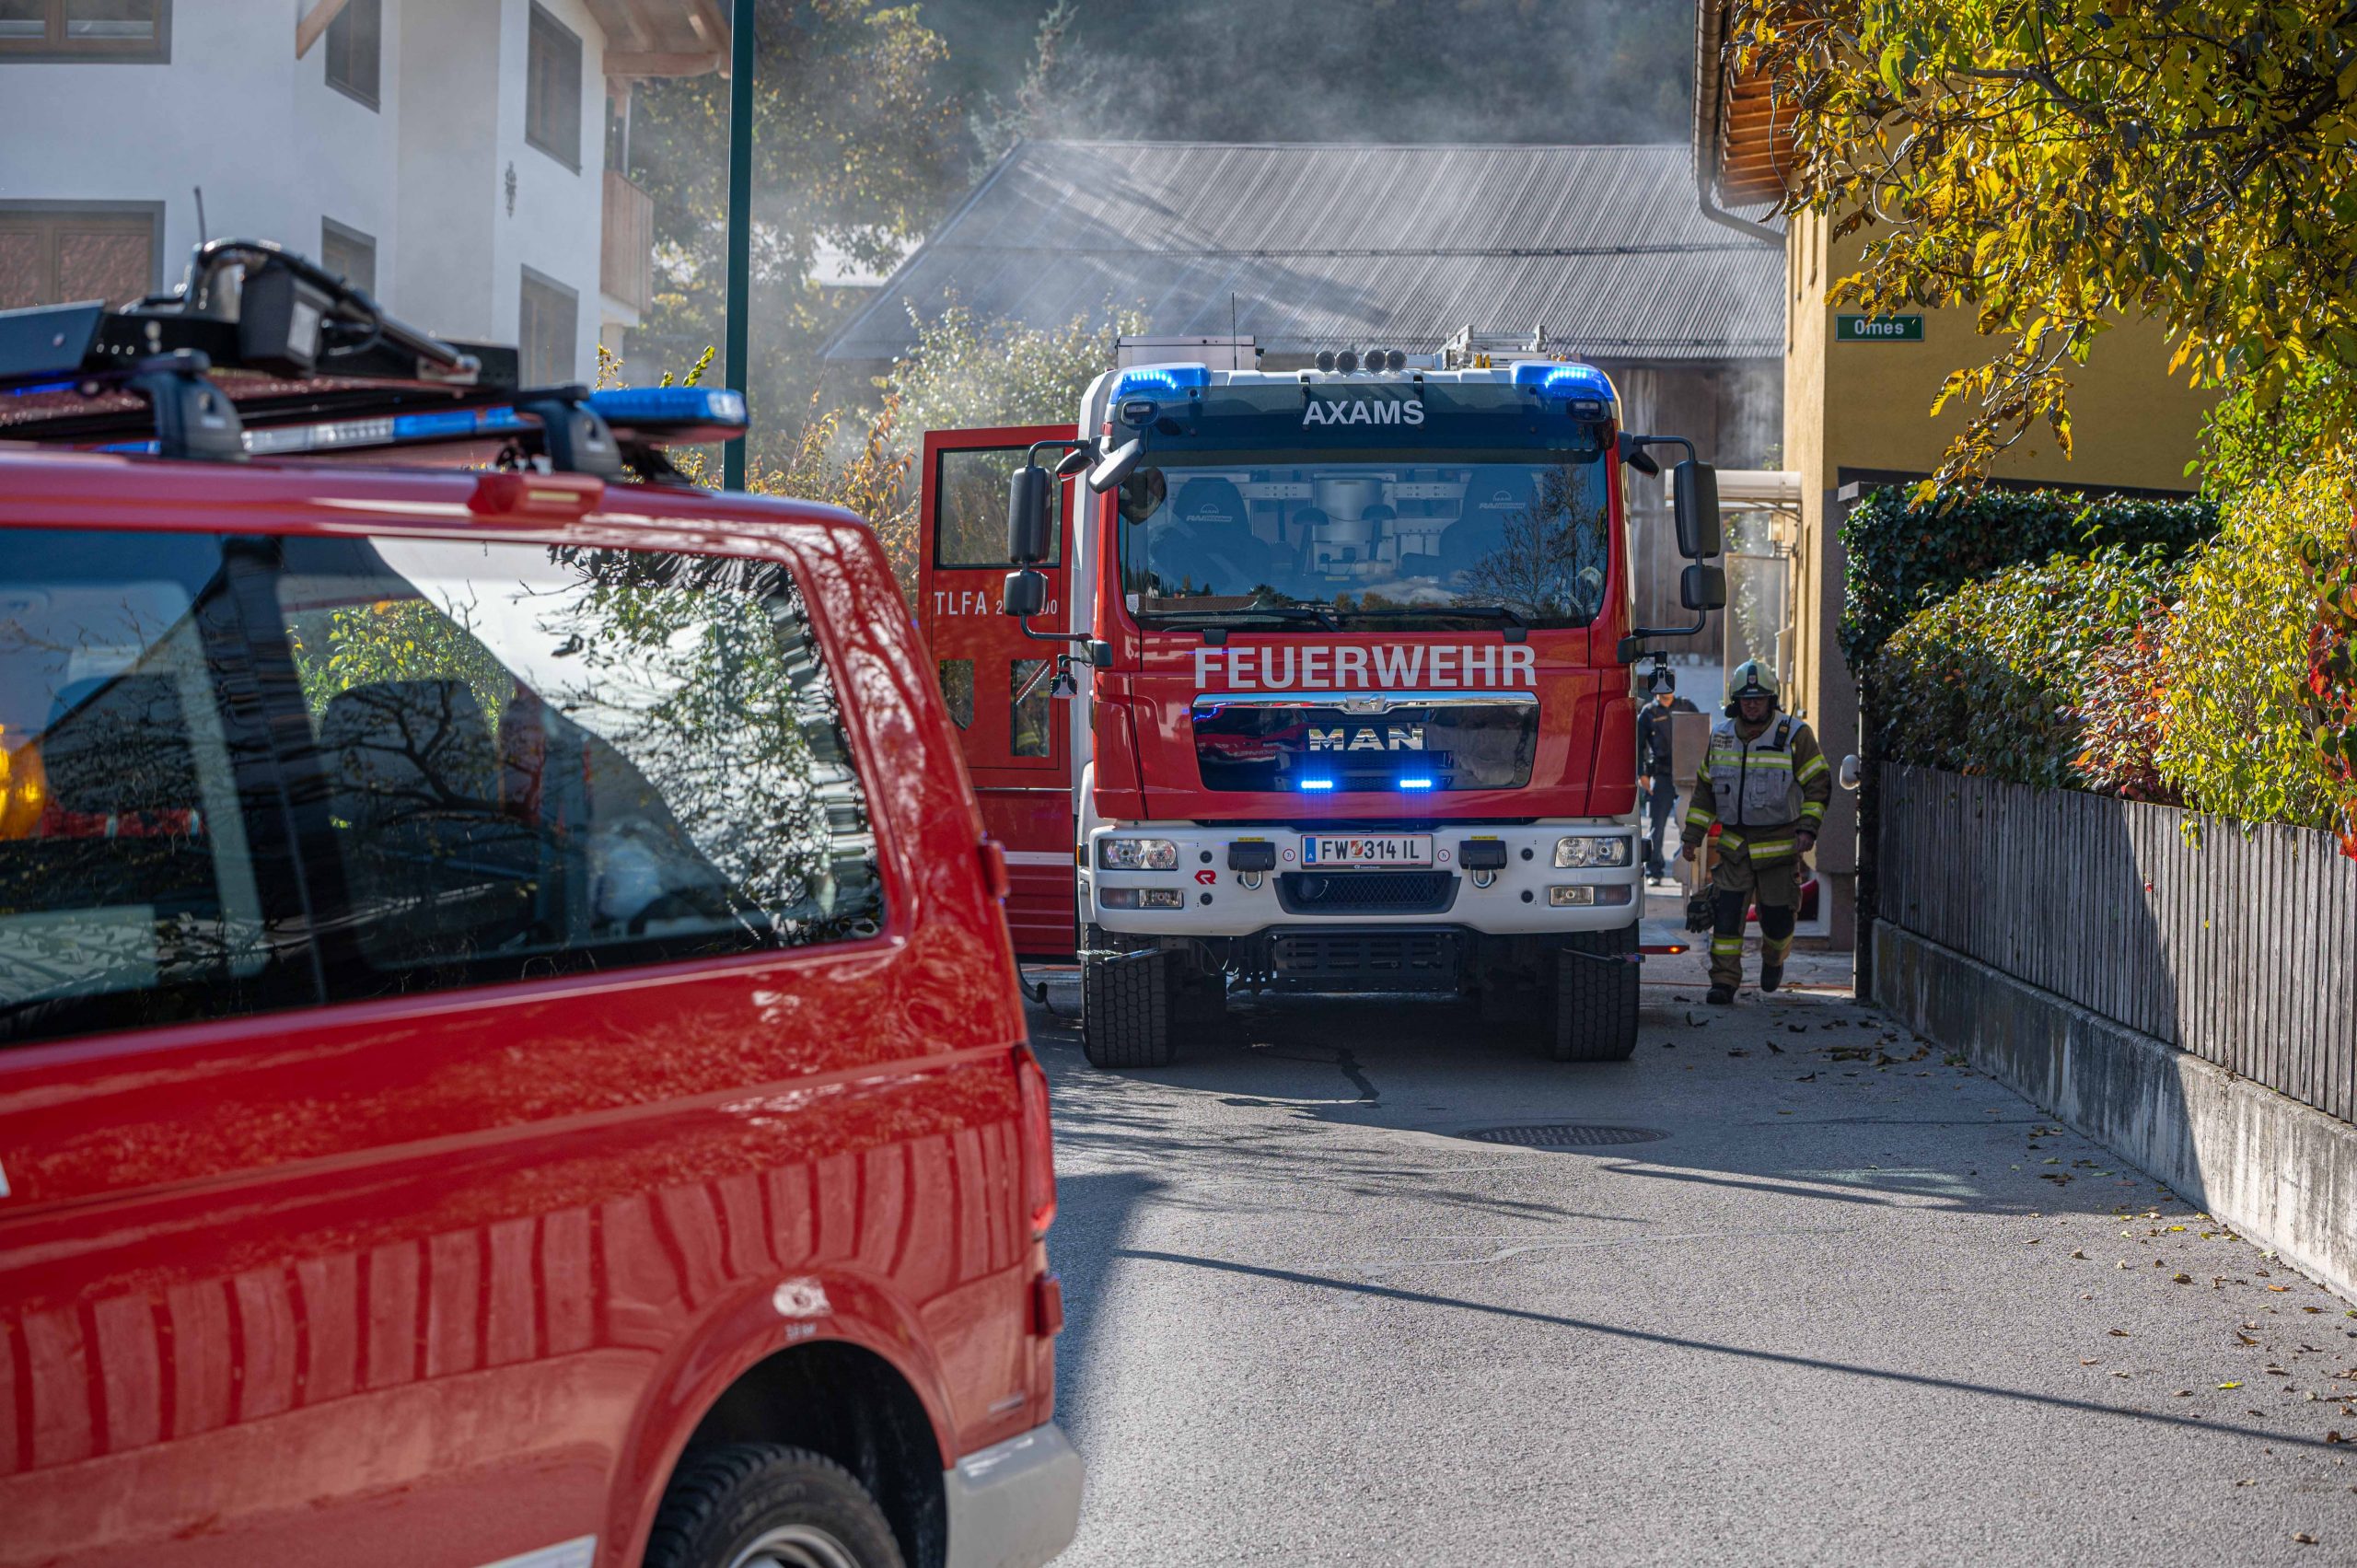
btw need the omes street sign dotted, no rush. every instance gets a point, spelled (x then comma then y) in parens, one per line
(1878, 328)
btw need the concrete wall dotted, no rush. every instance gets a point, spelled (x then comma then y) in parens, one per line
(276, 149)
(2282, 1173)
(1854, 409)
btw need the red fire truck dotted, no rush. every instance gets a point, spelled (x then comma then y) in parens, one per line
(1312, 680)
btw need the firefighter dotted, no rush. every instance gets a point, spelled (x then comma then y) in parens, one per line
(1765, 783)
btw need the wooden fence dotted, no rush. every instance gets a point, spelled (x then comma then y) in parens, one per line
(2239, 947)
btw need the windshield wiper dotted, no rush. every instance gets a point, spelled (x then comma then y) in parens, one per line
(1183, 620)
(1470, 612)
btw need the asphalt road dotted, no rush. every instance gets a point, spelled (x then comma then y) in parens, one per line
(1847, 1303)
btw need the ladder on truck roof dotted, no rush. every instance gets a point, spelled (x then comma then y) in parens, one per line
(263, 352)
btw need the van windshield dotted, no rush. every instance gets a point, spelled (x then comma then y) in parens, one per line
(1429, 541)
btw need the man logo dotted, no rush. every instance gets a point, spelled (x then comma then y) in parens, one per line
(1369, 737)
(1365, 410)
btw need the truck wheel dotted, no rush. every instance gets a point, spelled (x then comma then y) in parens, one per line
(1595, 999)
(765, 1505)
(1125, 1009)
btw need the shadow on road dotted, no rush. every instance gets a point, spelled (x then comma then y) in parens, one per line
(1395, 1063)
(1677, 1341)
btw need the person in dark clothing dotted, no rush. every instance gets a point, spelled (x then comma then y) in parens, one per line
(1655, 763)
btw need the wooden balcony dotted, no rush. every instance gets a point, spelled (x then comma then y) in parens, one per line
(626, 249)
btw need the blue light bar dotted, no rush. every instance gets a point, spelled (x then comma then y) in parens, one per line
(1415, 783)
(677, 413)
(1318, 783)
(1161, 381)
(1552, 380)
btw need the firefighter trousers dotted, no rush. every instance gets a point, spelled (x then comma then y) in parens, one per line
(1760, 866)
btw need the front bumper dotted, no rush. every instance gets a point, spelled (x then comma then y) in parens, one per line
(1014, 1505)
(1216, 902)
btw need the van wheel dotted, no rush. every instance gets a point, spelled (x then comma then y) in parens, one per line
(1595, 999)
(765, 1505)
(1125, 1009)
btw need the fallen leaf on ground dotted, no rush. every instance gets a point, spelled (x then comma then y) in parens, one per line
(2120, 1333)
(2076, 1253)
(2304, 1538)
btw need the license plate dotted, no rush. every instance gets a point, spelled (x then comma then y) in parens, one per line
(1335, 849)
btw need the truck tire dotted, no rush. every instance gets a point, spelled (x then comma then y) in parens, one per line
(1125, 1009)
(1595, 1013)
(765, 1502)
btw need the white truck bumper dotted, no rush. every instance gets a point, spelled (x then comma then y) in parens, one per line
(1519, 898)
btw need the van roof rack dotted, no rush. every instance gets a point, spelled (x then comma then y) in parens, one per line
(263, 352)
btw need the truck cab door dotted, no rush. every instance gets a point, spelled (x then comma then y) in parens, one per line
(1018, 753)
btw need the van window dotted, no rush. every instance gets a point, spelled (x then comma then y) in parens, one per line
(535, 759)
(129, 889)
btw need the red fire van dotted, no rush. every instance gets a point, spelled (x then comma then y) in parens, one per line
(510, 1051)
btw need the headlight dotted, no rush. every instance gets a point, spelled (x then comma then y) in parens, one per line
(1137, 854)
(1591, 852)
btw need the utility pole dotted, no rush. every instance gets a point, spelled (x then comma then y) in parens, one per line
(737, 329)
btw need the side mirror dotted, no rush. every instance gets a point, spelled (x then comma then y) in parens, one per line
(1027, 592)
(1697, 513)
(1115, 466)
(1633, 453)
(1700, 588)
(1026, 516)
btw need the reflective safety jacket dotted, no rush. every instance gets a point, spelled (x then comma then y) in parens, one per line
(1760, 789)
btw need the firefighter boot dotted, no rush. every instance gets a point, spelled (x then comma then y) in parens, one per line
(1775, 944)
(1726, 945)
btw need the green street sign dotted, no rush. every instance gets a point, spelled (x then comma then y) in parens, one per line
(1878, 328)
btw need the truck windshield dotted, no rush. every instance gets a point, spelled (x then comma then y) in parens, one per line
(1291, 541)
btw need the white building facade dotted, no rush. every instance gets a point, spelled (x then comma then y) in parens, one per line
(450, 156)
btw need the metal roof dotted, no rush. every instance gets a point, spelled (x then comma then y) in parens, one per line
(1602, 247)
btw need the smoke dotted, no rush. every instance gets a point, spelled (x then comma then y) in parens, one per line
(1328, 70)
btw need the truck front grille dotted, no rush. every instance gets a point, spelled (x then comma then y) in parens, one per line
(1365, 960)
(1366, 892)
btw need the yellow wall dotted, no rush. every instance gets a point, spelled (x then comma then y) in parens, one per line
(1862, 405)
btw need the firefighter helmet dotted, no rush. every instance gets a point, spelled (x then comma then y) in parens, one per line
(1751, 678)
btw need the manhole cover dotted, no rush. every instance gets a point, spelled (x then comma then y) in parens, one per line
(1566, 1135)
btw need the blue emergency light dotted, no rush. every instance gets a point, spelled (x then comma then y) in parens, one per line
(687, 414)
(1318, 783)
(1415, 783)
(1161, 381)
(1587, 388)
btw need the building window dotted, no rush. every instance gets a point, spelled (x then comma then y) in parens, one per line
(545, 325)
(552, 90)
(58, 252)
(355, 42)
(137, 31)
(348, 253)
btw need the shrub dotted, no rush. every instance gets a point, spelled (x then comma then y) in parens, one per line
(1903, 557)
(2332, 674)
(1997, 677)
(2238, 721)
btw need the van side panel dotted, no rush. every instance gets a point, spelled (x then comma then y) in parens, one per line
(408, 1282)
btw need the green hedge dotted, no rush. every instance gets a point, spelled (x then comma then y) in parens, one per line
(1902, 558)
(2007, 675)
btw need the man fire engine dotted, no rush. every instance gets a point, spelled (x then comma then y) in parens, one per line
(1358, 711)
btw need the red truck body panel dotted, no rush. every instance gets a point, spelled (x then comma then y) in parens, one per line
(1023, 781)
(449, 1277)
